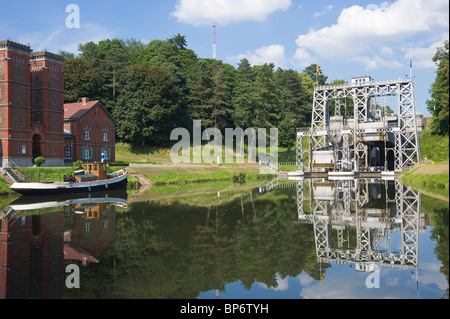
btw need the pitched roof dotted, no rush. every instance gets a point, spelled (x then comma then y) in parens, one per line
(73, 111)
(76, 110)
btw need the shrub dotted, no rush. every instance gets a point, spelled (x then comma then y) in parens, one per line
(39, 161)
(77, 163)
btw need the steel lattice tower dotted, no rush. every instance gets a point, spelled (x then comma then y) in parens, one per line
(352, 138)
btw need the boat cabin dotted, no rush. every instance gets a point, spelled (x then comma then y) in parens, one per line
(92, 172)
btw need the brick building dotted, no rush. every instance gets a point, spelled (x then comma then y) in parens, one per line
(90, 132)
(32, 118)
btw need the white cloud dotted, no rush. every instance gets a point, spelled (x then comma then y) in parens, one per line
(326, 10)
(373, 35)
(274, 53)
(207, 12)
(282, 284)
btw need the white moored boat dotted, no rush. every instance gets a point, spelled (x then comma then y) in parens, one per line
(92, 177)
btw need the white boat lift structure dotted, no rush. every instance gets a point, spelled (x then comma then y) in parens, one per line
(370, 139)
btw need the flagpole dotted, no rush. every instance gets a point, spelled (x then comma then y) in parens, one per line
(410, 67)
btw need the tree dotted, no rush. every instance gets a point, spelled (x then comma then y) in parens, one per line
(267, 112)
(439, 105)
(110, 59)
(292, 93)
(208, 98)
(286, 134)
(311, 71)
(146, 108)
(80, 80)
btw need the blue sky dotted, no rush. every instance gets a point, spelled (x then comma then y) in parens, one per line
(346, 38)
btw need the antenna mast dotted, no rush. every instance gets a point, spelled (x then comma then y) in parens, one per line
(214, 42)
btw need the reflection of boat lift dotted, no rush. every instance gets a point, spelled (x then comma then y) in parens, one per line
(346, 209)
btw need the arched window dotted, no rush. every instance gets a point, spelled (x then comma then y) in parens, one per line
(18, 95)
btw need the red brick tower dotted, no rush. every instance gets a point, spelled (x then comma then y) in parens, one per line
(15, 103)
(31, 106)
(47, 107)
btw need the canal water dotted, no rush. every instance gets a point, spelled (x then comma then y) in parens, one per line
(291, 239)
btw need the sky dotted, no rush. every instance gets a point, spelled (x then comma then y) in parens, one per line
(346, 38)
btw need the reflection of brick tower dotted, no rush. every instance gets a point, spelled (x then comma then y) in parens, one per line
(47, 107)
(31, 256)
(31, 105)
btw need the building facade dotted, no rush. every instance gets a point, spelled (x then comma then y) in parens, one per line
(33, 121)
(31, 105)
(90, 132)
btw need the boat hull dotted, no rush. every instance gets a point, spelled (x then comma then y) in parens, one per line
(37, 188)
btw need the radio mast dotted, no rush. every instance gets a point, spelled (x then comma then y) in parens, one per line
(214, 42)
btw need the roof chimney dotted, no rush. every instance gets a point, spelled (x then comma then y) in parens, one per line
(85, 100)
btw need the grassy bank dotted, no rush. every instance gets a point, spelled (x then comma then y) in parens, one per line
(198, 174)
(431, 178)
(432, 175)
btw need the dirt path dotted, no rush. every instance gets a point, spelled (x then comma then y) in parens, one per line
(431, 169)
(146, 184)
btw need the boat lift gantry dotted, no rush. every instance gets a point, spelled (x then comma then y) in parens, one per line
(371, 140)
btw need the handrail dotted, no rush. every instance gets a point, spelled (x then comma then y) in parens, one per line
(15, 167)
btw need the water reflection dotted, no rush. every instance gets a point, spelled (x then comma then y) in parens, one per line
(38, 236)
(307, 238)
(354, 220)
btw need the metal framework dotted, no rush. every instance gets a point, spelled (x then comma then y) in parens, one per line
(338, 213)
(351, 138)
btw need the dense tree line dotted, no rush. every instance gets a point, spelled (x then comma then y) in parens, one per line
(151, 89)
(439, 104)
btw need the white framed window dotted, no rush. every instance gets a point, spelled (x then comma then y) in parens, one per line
(86, 153)
(86, 135)
(105, 136)
(68, 152)
(105, 153)
(24, 149)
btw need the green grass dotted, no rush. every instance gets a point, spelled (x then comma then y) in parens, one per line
(4, 188)
(127, 153)
(199, 174)
(434, 147)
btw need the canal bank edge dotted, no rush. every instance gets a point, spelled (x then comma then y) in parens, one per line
(430, 179)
